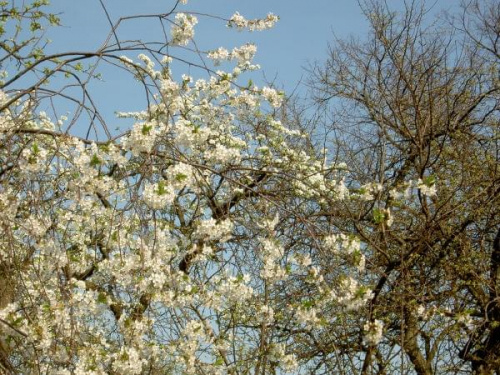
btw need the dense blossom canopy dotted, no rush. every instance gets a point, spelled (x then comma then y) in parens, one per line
(216, 234)
(185, 245)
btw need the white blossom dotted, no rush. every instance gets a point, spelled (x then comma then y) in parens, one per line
(219, 55)
(211, 229)
(373, 332)
(240, 22)
(183, 28)
(426, 189)
(159, 195)
(272, 96)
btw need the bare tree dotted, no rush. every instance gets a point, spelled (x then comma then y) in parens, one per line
(418, 100)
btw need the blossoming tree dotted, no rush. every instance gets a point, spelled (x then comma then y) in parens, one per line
(186, 244)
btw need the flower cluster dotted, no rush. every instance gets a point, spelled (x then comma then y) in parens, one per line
(241, 23)
(183, 28)
(210, 229)
(373, 332)
(138, 253)
(159, 195)
(243, 55)
(426, 188)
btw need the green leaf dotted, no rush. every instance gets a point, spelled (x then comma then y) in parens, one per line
(219, 361)
(307, 304)
(161, 188)
(430, 180)
(35, 148)
(180, 177)
(95, 160)
(361, 292)
(101, 298)
(378, 216)
(356, 256)
(46, 307)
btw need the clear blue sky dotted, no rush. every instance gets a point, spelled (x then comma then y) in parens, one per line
(300, 37)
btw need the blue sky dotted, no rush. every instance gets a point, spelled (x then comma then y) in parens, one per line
(299, 39)
(305, 28)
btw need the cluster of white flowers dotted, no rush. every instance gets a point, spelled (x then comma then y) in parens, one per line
(373, 332)
(288, 362)
(231, 291)
(158, 196)
(240, 22)
(3, 97)
(37, 226)
(10, 308)
(265, 314)
(465, 319)
(210, 229)
(337, 242)
(5, 122)
(129, 362)
(188, 136)
(272, 96)
(269, 223)
(307, 316)
(115, 155)
(247, 99)
(244, 56)
(351, 294)
(169, 88)
(180, 175)
(183, 28)
(8, 202)
(219, 55)
(421, 312)
(331, 243)
(193, 336)
(34, 158)
(428, 189)
(303, 260)
(361, 264)
(221, 154)
(271, 252)
(369, 191)
(389, 219)
(119, 281)
(396, 195)
(142, 137)
(44, 122)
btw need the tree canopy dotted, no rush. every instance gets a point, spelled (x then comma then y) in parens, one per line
(229, 231)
